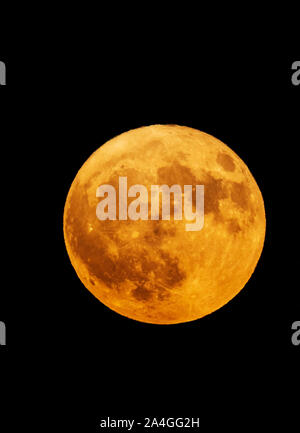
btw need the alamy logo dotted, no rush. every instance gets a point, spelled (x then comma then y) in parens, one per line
(296, 74)
(2, 74)
(2, 334)
(138, 209)
(296, 334)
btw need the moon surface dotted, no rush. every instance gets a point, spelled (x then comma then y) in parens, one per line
(155, 271)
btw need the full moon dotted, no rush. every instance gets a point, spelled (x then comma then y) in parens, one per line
(155, 271)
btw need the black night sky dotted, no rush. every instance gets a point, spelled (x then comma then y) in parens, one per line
(61, 341)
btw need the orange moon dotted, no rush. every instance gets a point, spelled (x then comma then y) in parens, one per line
(155, 271)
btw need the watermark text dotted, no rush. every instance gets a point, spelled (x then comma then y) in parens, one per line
(296, 74)
(296, 334)
(2, 334)
(138, 209)
(2, 74)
